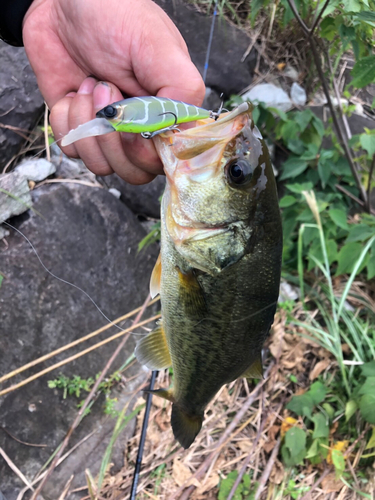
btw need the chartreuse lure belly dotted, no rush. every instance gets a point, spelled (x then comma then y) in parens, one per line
(218, 272)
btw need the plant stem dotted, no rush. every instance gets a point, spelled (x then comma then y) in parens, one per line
(341, 136)
(369, 184)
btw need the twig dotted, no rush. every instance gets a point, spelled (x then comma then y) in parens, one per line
(316, 484)
(227, 434)
(247, 460)
(342, 138)
(46, 141)
(78, 355)
(74, 343)
(15, 469)
(316, 22)
(86, 403)
(348, 193)
(23, 442)
(267, 471)
(369, 184)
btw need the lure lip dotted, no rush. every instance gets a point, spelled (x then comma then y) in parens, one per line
(93, 128)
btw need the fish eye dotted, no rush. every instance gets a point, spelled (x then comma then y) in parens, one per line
(110, 111)
(239, 172)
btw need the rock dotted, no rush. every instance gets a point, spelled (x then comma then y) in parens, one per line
(87, 237)
(298, 95)
(269, 94)
(36, 169)
(3, 232)
(21, 103)
(226, 73)
(15, 195)
(143, 199)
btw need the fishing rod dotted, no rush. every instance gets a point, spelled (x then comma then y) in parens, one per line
(138, 462)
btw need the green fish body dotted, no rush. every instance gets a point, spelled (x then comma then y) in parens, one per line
(218, 273)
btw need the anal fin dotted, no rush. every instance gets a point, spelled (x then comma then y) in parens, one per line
(152, 350)
(255, 370)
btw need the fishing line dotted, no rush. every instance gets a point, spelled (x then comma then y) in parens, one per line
(65, 281)
(210, 43)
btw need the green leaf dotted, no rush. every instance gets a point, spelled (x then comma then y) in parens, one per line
(317, 392)
(359, 232)
(350, 408)
(303, 118)
(294, 448)
(301, 405)
(338, 461)
(352, 5)
(324, 169)
(367, 141)
(328, 29)
(287, 201)
(368, 387)
(367, 407)
(368, 369)
(339, 217)
(371, 265)
(371, 443)
(293, 167)
(363, 72)
(347, 257)
(298, 188)
(321, 428)
(367, 17)
(227, 484)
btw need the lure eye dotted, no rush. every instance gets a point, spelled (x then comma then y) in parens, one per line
(110, 111)
(239, 172)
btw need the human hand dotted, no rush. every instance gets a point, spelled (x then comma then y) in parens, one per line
(131, 47)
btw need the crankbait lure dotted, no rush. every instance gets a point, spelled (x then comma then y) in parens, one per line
(148, 116)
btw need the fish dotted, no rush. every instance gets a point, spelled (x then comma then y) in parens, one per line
(218, 272)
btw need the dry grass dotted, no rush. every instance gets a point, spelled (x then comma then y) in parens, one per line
(249, 444)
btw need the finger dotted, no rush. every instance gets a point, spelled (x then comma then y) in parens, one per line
(59, 119)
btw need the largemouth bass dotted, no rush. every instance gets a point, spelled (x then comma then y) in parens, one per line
(218, 272)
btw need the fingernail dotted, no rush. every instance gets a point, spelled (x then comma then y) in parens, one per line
(71, 94)
(87, 86)
(101, 95)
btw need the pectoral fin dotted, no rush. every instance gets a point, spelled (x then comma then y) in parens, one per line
(155, 279)
(191, 293)
(152, 350)
(255, 370)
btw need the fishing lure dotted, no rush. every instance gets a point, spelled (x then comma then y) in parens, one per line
(148, 116)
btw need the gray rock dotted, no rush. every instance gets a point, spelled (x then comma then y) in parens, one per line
(226, 73)
(143, 199)
(21, 103)
(15, 195)
(3, 234)
(87, 237)
(36, 169)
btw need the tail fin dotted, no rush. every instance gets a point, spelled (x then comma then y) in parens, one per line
(185, 427)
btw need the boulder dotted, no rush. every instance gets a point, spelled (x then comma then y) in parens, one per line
(87, 237)
(226, 73)
(21, 103)
(142, 200)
